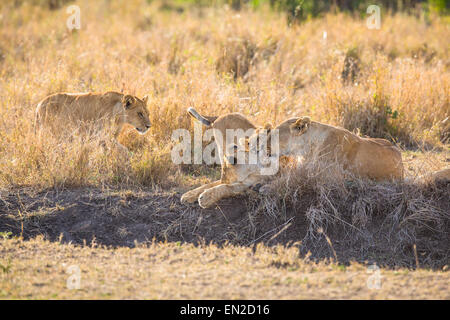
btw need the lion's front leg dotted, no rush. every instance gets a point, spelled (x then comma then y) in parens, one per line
(115, 139)
(192, 195)
(118, 150)
(211, 196)
(121, 148)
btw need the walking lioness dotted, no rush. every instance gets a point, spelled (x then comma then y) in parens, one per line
(98, 109)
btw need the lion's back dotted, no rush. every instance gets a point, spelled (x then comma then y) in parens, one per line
(367, 157)
(379, 159)
(76, 106)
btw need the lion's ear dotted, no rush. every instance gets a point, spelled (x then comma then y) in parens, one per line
(128, 101)
(301, 125)
(268, 127)
(145, 99)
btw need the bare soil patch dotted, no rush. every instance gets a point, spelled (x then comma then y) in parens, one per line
(127, 218)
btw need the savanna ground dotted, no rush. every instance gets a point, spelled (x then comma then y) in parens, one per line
(70, 202)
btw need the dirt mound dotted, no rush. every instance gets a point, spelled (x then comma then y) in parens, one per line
(394, 230)
(114, 217)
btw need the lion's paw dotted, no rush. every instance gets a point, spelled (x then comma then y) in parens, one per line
(206, 200)
(189, 197)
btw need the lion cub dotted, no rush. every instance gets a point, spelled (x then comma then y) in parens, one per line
(98, 109)
(235, 178)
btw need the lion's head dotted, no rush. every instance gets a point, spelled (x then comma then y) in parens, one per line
(300, 126)
(136, 112)
(259, 140)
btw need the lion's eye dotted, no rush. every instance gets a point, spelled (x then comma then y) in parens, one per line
(140, 114)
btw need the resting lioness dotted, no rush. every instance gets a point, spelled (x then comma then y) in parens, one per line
(94, 108)
(235, 178)
(365, 157)
(442, 175)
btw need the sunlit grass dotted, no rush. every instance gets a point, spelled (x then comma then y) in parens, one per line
(217, 61)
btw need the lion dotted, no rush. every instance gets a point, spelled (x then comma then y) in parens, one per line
(372, 158)
(99, 109)
(440, 176)
(236, 177)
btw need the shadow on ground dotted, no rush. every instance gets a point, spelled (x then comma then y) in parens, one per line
(127, 217)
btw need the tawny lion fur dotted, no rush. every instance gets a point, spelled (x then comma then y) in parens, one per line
(372, 158)
(99, 109)
(235, 178)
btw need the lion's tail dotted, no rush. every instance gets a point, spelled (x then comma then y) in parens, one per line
(442, 176)
(207, 121)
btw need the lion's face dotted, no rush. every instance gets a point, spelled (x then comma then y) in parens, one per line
(232, 152)
(243, 163)
(259, 142)
(136, 113)
(278, 141)
(237, 164)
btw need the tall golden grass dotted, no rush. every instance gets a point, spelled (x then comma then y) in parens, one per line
(217, 61)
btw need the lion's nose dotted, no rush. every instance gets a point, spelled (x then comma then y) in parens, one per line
(232, 160)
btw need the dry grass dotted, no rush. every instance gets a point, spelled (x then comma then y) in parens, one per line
(216, 61)
(341, 220)
(391, 83)
(39, 269)
(368, 220)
